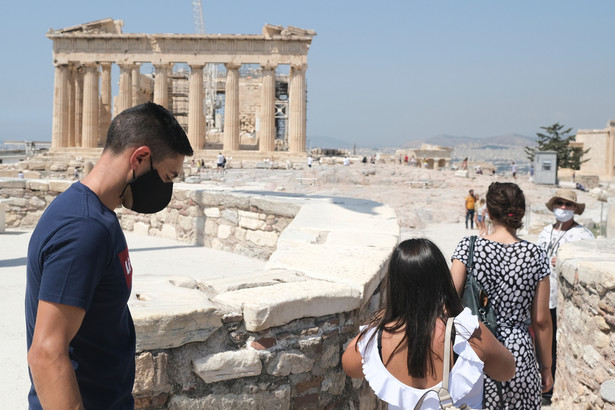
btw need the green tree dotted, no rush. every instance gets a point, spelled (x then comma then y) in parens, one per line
(556, 138)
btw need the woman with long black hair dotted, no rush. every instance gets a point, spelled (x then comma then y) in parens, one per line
(400, 351)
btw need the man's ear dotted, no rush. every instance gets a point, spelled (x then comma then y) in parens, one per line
(138, 155)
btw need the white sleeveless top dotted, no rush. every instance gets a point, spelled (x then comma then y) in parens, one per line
(465, 381)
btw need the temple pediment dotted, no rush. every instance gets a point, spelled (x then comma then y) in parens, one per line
(107, 25)
(271, 31)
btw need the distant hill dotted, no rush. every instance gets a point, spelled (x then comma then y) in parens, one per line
(328, 142)
(443, 140)
(508, 140)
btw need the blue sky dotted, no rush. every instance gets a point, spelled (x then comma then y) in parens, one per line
(380, 73)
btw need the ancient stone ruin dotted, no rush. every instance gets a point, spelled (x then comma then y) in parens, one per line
(83, 57)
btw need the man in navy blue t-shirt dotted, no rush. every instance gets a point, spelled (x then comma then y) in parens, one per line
(80, 335)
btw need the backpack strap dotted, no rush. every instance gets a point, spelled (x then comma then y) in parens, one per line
(443, 395)
(380, 344)
(471, 253)
(453, 335)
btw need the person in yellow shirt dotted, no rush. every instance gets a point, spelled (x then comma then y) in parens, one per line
(470, 209)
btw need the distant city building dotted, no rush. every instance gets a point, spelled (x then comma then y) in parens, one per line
(600, 160)
(434, 156)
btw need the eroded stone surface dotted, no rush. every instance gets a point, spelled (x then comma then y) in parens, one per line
(279, 304)
(586, 275)
(167, 316)
(278, 399)
(289, 362)
(228, 365)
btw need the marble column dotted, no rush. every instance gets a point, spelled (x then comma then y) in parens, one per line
(196, 119)
(125, 92)
(161, 85)
(231, 108)
(60, 106)
(105, 102)
(136, 85)
(266, 130)
(90, 106)
(78, 105)
(297, 108)
(71, 107)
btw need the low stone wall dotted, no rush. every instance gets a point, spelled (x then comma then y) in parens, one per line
(297, 365)
(242, 224)
(26, 199)
(585, 374)
(272, 340)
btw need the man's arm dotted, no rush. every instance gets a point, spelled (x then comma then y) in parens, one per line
(52, 372)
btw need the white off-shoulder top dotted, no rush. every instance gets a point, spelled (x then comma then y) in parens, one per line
(465, 381)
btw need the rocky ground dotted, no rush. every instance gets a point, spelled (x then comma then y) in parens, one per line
(420, 197)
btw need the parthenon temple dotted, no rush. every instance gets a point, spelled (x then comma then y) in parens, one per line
(254, 106)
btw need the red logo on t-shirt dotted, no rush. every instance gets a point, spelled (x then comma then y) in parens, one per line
(125, 262)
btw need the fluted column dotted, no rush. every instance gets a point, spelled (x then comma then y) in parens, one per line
(297, 107)
(78, 105)
(196, 119)
(90, 106)
(71, 107)
(60, 106)
(125, 92)
(231, 108)
(161, 85)
(136, 84)
(105, 102)
(266, 131)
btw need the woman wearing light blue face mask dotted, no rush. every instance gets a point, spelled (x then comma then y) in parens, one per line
(564, 206)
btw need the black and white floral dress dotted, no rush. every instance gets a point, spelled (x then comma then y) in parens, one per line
(509, 273)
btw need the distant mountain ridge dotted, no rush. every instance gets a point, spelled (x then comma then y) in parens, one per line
(507, 140)
(443, 140)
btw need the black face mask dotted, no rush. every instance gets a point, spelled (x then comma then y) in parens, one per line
(150, 194)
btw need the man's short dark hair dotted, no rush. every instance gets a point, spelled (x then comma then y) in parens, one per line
(151, 125)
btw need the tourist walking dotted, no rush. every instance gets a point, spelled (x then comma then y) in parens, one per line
(515, 276)
(220, 161)
(564, 206)
(514, 170)
(469, 207)
(400, 351)
(531, 173)
(80, 335)
(481, 217)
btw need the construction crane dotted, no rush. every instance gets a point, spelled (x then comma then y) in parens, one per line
(211, 72)
(197, 13)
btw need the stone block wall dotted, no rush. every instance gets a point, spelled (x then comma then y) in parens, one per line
(585, 374)
(295, 366)
(240, 224)
(218, 220)
(26, 199)
(273, 340)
